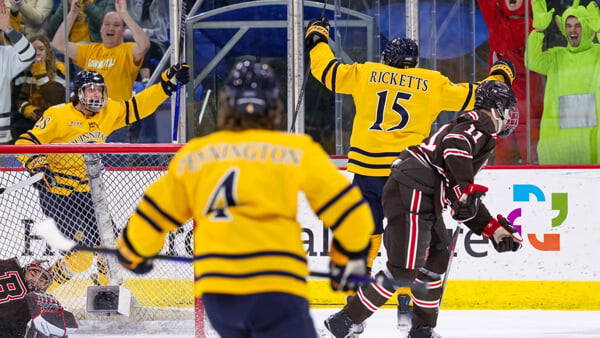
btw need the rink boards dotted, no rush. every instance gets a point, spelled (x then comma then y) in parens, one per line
(557, 268)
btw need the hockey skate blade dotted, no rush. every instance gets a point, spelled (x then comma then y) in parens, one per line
(324, 333)
(47, 229)
(404, 324)
(403, 330)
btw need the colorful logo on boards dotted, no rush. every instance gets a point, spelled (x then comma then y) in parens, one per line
(532, 193)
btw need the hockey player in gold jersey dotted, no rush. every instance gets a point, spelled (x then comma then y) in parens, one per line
(396, 104)
(89, 118)
(240, 185)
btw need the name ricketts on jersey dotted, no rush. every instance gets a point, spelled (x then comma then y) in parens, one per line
(387, 121)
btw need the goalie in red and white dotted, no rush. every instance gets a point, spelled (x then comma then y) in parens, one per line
(26, 310)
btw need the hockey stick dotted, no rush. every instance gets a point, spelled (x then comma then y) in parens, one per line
(23, 184)
(182, 20)
(201, 116)
(452, 251)
(48, 230)
(306, 75)
(400, 283)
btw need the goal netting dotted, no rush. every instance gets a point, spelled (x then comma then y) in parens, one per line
(98, 186)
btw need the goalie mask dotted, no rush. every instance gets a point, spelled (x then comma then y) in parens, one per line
(251, 88)
(37, 276)
(90, 90)
(401, 53)
(497, 97)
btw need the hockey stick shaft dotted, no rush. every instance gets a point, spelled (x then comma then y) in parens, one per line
(306, 75)
(201, 116)
(182, 19)
(23, 184)
(400, 283)
(452, 251)
(48, 230)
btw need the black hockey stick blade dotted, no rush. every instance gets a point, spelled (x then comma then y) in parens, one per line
(48, 230)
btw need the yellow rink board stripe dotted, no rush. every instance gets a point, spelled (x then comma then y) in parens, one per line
(459, 294)
(489, 295)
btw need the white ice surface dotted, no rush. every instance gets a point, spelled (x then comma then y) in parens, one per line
(451, 324)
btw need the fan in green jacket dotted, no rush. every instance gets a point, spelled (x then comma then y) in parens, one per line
(569, 131)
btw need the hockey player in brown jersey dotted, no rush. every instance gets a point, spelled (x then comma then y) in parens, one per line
(424, 180)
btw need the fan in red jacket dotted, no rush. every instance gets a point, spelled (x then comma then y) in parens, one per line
(505, 20)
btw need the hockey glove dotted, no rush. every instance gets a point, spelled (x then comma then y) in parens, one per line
(505, 68)
(345, 264)
(503, 235)
(39, 164)
(129, 259)
(48, 318)
(317, 31)
(466, 207)
(177, 73)
(541, 16)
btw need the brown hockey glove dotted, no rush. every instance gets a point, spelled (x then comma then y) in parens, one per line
(317, 31)
(503, 235)
(129, 259)
(179, 72)
(466, 207)
(344, 264)
(505, 68)
(49, 319)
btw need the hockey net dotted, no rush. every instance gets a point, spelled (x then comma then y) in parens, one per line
(123, 172)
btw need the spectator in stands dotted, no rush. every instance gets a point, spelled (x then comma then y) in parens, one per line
(13, 60)
(249, 262)
(29, 311)
(64, 193)
(506, 23)
(87, 22)
(569, 130)
(117, 61)
(33, 15)
(155, 27)
(40, 86)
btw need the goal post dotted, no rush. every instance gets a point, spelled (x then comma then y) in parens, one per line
(113, 177)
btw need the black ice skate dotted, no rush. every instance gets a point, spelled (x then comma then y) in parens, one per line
(423, 332)
(341, 326)
(404, 315)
